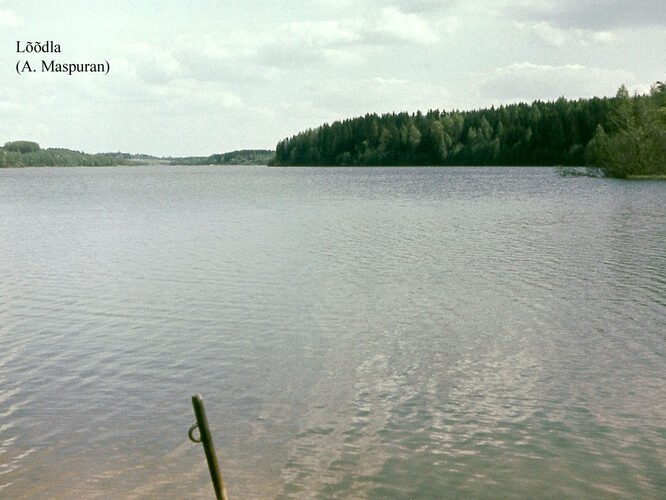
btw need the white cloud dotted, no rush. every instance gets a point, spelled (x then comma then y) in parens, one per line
(376, 94)
(8, 18)
(549, 34)
(226, 60)
(449, 24)
(320, 33)
(344, 42)
(200, 58)
(601, 36)
(421, 5)
(155, 66)
(9, 106)
(306, 44)
(243, 56)
(373, 6)
(341, 57)
(194, 95)
(526, 81)
(405, 26)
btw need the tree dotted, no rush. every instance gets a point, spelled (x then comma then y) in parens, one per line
(636, 144)
(433, 142)
(22, 146)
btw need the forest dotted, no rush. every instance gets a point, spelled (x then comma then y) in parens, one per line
(29, 154)
(239, 157)
(621, 136)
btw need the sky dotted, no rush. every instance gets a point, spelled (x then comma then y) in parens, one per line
(197, 77)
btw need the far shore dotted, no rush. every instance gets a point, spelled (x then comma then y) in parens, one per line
(163, 163)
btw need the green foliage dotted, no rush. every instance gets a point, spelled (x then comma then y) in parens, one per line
(28, 154)
(21, 146)
(543, 133)
(243, 157)
(621, 136)
(240, 157)
(635, 144)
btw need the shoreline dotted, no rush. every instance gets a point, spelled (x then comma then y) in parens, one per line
(660, 177)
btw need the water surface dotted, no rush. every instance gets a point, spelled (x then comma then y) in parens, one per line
(356, 333)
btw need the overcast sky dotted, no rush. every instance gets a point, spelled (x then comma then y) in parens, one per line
(195, 77)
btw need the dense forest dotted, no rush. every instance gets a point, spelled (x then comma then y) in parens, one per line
(622, 136)
(29, 154)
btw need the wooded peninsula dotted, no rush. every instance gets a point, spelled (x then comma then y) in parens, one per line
(621, 136)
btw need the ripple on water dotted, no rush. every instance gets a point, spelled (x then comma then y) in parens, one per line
(355, 332)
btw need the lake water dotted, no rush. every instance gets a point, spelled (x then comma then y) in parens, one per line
(355, 333)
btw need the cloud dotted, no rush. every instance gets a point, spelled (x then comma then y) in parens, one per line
(200, 58)
(8, 18)
(149, 76)
(526, 81)
(395, 24)
(374, 6)
(448, 24)
(549, 34)
(195, 95)
(558, 37)
(305, 44)
(343, 40)
(320, 33)
(229, 60)
(155, 66)
(340, 57)
(423, 6)
(595, 15)
(346, 97)
(251, 56)
(288, 56)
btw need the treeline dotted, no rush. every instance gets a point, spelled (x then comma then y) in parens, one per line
(133, 159)
(240, 157)
(29, 154)
(562, 132)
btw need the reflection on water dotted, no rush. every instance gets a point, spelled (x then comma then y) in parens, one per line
(356, 333)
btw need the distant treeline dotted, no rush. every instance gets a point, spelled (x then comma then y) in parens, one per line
(134, 158)
(29, 154)
(622, 136)
(241, 157)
